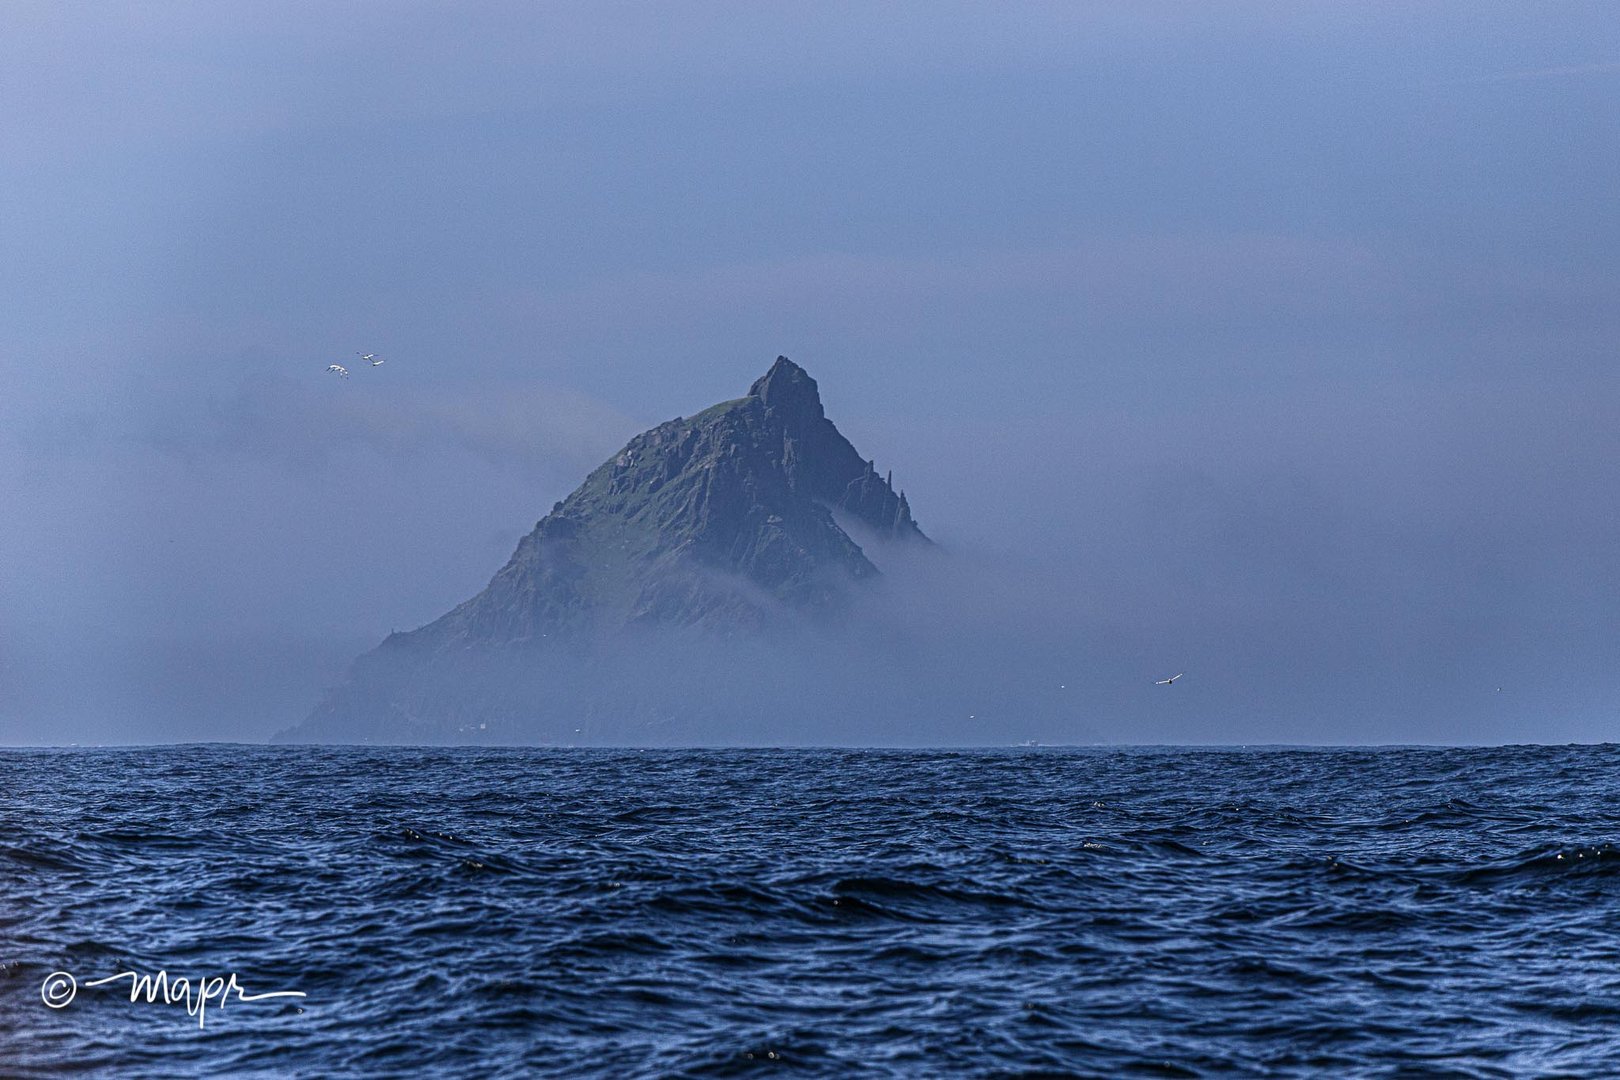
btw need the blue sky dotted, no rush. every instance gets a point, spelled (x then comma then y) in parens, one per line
(1273, 341)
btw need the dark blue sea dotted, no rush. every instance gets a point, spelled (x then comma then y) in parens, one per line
(1090, 912)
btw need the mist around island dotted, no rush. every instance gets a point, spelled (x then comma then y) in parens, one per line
(1274, 346)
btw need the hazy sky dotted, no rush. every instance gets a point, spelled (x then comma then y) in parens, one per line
(1277, 343)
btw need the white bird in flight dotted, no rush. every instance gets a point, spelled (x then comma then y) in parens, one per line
(338, 369)
(1171, 679)
(370, 356)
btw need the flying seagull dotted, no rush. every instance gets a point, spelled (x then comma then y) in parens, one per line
(1171, 679)
(338, 369)
(371, 356)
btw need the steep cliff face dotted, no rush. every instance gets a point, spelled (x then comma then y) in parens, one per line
(720, 526)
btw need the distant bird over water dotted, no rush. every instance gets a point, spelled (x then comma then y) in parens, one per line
(371, 357)
(338, 370)
(1171, 679)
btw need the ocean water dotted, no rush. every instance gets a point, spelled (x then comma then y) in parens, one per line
(1092, 912)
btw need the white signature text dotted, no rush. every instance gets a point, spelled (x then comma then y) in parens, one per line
(60, 988)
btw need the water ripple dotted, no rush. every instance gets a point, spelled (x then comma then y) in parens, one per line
(485, 912)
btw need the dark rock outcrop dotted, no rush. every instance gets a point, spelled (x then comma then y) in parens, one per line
(730, 526)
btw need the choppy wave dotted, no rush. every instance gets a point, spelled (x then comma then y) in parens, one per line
(879, 913)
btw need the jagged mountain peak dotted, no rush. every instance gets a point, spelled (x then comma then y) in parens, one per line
(748, 517)
(789, 390)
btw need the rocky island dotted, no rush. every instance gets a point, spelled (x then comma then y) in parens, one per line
(707, 580)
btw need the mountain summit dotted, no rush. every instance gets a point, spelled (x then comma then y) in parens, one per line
(744, 523)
